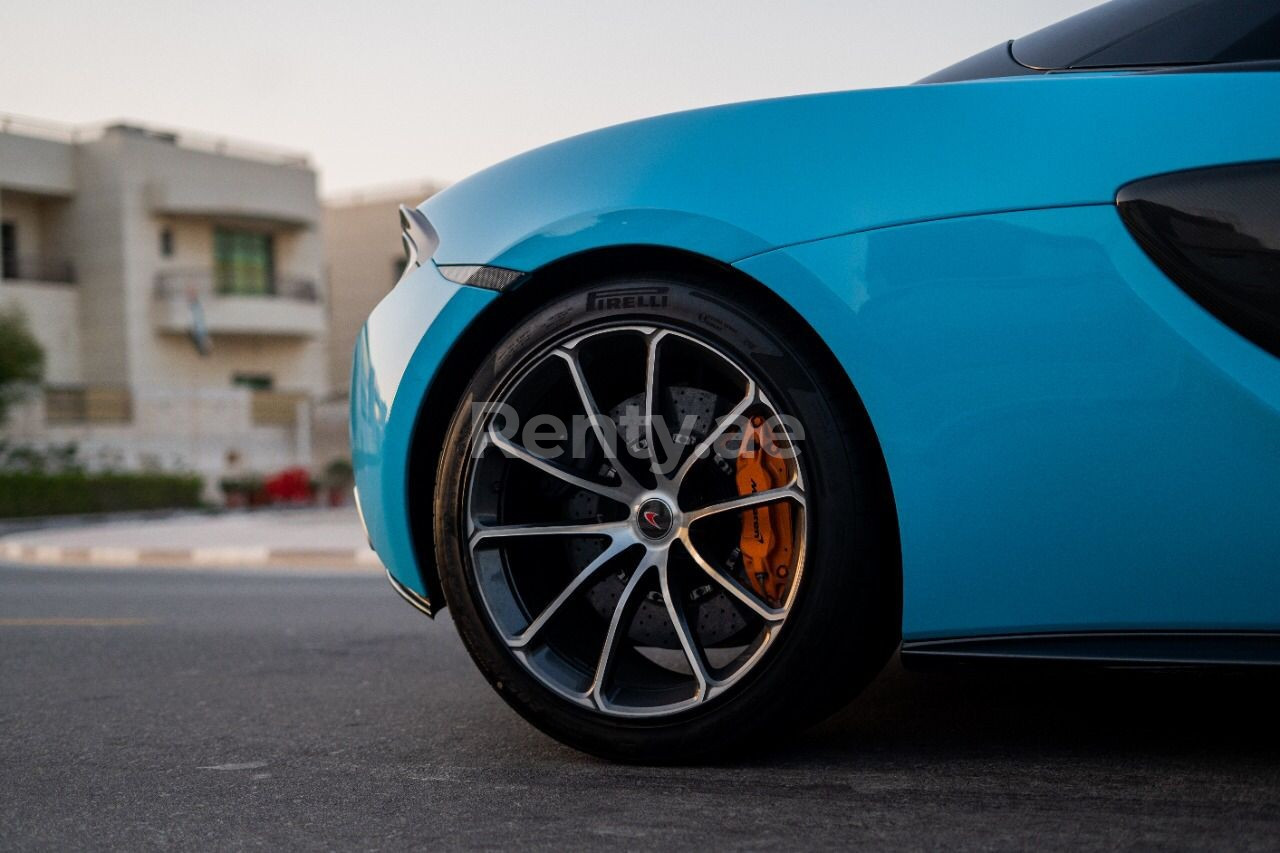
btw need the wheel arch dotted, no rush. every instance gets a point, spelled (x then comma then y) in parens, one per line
(446, 391)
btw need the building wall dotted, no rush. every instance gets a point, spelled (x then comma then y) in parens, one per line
(32, 164)
(290, 363)
(53, 314)
(27, 214)
(97, 224)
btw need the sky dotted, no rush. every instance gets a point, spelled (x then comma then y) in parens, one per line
(391, 92)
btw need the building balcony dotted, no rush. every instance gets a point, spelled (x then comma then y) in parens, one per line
(289, 306)
(37, 269)
(275, 408)
(87, 405)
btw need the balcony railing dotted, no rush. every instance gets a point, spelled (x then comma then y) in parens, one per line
(205, 283)
(275, 408)
(36, 268)
(191, 300)
(92, 404)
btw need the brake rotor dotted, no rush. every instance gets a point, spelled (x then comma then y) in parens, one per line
(716, 617)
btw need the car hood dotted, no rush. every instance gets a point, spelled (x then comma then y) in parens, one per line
(736, 180)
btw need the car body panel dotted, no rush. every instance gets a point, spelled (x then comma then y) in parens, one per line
(1073, 443)
(732, 181)
(397, 354)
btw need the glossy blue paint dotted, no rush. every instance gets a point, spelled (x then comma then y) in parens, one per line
(396, 356)
(737, 180)
(1073, 443)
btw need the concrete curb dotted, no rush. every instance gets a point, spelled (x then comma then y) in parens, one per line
(41, 523)
(221, 557)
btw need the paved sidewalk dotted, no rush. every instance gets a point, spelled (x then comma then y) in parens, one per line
(305, 539)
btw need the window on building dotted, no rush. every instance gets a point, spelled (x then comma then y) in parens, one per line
(166, 243)
(243, 262)
(254, 381)
(8, 250)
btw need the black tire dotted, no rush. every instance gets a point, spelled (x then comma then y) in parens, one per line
(844, 622)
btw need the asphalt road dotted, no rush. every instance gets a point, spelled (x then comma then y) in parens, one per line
(149, 709)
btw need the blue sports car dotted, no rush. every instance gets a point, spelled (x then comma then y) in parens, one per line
(694, 422)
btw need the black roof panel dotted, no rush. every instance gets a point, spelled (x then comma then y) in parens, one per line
(1137, 33)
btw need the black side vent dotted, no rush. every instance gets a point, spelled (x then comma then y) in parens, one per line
(1216, 233)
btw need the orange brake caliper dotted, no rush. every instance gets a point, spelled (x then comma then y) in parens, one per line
(766, 530)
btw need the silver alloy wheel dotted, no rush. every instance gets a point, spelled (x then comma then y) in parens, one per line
(643, 516)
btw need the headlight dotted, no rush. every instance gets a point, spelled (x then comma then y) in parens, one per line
(490, 278)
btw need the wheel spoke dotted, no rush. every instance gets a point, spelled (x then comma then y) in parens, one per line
(615, 634)
(608, 444)
(704, 447)
(681, 624)
(510, 448)
(731, 586)
(650, 401)
(617, 545)
(791, 492)
(507, 531)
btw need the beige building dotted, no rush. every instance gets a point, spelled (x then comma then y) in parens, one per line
(176, 285)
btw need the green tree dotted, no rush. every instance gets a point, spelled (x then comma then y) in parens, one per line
(21, 359)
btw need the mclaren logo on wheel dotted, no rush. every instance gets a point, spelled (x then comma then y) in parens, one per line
(655, 519)
(627, 297)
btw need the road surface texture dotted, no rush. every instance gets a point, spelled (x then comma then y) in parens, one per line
(154, 709)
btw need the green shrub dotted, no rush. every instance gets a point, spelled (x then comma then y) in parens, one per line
(27, 494)
(339, 473)
(21, 359)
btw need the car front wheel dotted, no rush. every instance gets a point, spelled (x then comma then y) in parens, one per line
(658, 527)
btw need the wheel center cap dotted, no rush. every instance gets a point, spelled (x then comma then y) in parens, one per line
(654, 518)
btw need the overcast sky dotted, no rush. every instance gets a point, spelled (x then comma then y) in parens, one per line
(397, 91)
